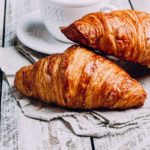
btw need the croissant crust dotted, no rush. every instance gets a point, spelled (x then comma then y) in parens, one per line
(79, 78)
(124, 34)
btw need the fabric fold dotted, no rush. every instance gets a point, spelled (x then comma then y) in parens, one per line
(97, 123)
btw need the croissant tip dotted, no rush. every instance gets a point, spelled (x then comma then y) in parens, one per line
(62, 28)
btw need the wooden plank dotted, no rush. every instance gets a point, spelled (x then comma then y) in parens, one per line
(9, 119)
(15, 11)
(141, 5)
(2, 2)
(33, 134)
(60, 137)
(99, 143)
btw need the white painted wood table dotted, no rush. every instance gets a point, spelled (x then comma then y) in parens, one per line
(56, 135)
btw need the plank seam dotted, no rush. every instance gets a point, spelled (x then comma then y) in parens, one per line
(92, 143)
(1, 78)
(131, 4)
(4, 22)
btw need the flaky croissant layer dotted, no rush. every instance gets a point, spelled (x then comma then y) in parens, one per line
(79, 78)
(124, 34)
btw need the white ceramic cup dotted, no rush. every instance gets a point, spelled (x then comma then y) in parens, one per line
(61, 13)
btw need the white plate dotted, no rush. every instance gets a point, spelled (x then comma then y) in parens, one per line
(33, 34)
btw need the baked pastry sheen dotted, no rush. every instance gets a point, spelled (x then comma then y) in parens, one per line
(124, 34)
(79, 78)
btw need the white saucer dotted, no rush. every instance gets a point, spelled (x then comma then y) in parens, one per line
(33, 34)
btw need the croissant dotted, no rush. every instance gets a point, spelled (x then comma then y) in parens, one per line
(79, 78)
(124, 34)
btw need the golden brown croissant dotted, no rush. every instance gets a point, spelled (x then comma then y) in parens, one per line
(79, 78)
(124, 34)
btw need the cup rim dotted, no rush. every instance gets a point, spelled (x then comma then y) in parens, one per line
(83, 3)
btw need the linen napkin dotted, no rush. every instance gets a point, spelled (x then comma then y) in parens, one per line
(11, 60)
(86, 123)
